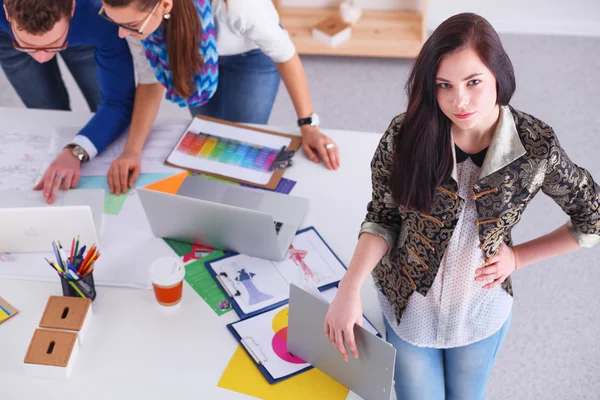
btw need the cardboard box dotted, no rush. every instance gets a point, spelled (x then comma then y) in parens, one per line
(332, 31)
(51, 354)
(71, 314)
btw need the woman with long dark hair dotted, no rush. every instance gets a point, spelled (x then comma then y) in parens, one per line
(451, 178)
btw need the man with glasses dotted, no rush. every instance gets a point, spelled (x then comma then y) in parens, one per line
(32, 33)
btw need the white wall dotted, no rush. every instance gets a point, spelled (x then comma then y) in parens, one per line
(548, 17)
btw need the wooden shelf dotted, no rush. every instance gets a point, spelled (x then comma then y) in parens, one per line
(379, 33)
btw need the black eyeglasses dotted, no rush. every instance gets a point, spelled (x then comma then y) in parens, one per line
(140, 31)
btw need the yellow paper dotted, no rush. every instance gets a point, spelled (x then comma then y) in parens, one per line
(169, 185)
(3, 315)
(6, 311)
(242, 375)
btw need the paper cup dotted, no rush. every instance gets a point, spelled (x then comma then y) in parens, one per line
(167, 275)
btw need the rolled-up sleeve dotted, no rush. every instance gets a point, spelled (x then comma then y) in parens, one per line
(383, 215)
(575, 191)
(258, 20)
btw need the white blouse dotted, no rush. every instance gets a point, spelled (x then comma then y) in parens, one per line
(241, 26)
(456, 311)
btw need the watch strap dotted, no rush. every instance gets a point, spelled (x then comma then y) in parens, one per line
(305, 121)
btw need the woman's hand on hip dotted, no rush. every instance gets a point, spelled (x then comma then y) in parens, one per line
(344, 312)
(497, 268)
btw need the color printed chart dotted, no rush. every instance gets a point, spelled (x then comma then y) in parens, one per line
(237, 153)
(228, 151)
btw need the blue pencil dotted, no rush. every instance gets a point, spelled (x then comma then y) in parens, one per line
(57, 255)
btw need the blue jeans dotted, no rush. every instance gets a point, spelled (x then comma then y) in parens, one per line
(41, 85)
(248, 85)
(459, 373)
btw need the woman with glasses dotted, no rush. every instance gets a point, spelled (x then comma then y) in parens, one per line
(233, 74)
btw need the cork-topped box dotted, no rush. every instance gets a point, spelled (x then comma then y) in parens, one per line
(51, 354)
(332, 31)
(69, 314)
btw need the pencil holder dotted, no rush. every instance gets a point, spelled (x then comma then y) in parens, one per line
(77, 287)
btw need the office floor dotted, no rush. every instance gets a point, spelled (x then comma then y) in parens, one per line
(551, 350)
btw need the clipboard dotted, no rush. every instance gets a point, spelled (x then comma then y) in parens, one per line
(370, 375)
(284, 154)
(255, 359)
(6, 311)
(259, 357)
(232, 296)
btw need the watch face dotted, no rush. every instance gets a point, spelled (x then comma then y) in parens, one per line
(315, 120)
(77, 151)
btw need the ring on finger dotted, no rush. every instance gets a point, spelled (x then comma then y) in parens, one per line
(330, 146)
(60, 177)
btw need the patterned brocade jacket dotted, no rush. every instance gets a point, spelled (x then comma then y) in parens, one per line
(523, 157)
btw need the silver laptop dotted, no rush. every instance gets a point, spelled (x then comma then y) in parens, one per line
(249, 221)
(29, 225)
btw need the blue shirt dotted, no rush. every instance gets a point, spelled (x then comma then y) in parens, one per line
(115, 73)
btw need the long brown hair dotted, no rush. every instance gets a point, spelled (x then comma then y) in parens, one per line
(182, 33)
(423, 154)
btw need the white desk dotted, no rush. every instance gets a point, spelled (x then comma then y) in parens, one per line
(135, 349)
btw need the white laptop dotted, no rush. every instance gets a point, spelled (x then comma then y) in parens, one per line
(29, 225)
(249, 221)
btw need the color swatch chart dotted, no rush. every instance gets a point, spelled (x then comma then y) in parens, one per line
(228, 151)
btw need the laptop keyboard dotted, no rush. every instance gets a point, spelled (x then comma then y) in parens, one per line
(278, 226)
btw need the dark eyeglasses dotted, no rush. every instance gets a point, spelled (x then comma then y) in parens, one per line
(31, 49)
(140, 31)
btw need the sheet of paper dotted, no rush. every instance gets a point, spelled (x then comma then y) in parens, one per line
(160, 142)
(114, 203)
(129, 246)
(22, 158)
(180, 248)
(242, 376)
(203, 283)
(28, 266)
(100, 182)
(262, 283)
(33, 198)
(284, 186)
(169, 185)
(238, 153)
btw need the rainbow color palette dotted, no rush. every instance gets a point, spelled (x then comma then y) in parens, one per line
(228, 151)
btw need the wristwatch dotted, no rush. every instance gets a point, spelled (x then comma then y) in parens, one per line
(312, 120)
(77, 151)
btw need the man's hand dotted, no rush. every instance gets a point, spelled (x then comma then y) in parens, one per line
(64, 172)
